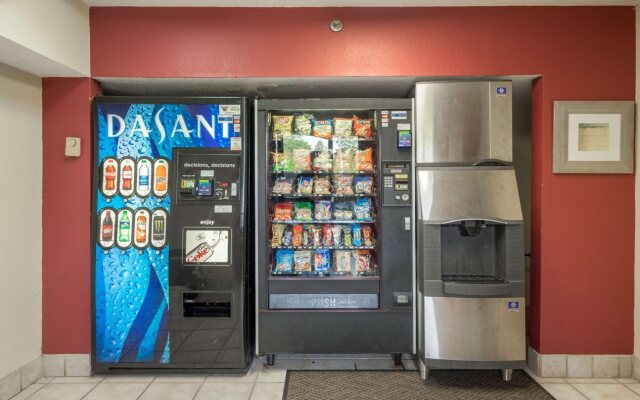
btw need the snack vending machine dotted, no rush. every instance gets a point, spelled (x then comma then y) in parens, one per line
(170, 273)
(334, 266)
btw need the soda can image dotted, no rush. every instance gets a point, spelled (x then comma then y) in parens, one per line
(158, 228)
(160, 177)
(144, 176)
(141, 228)
(109, 177)
(127, 177)
(106, 234)
(207, 246)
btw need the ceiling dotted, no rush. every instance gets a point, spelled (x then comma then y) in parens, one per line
(350, 3)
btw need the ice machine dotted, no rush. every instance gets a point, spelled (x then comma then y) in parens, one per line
(469, 233)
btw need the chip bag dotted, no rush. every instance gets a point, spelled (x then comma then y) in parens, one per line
(322, 128)
(277, 234)
(302, 124)
(282, 126)
(283, 212)
(297, 235)
(305, 185)
(323, 210)
(303, 211)
(363, 209)
(364, 160)
(284, 261)
(342, 260)
(363, 185)
(322, 260)
(343, 127)
(283, 185)
(321, 185)
(302, 260)
(362, 128)
(302, 159)
(342, 184)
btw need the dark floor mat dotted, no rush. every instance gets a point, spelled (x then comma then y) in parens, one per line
(407, 385)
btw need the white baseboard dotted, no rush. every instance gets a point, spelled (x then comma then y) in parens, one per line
(66, 364)
(16, 381)
(582, 365)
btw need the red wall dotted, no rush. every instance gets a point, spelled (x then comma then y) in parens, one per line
(66, 212)
(583, 225)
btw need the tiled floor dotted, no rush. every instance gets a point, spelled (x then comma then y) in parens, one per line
(591, 389)
(267, 383)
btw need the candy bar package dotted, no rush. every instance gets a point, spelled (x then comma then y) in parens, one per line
(363, 184)
(327, 236)
(323, 210)
(342, 260)
(342, 127)
(362, 127)
(303, 211)
(287, 239)
(336, 233)
(343, 210)
(302, 124)
(305, 185)
(343, 160)
(283, 212)
(367, 236)
(362, 261)
(302, 260)
(284, 261)
(364, 160)
(302, 159)
(323, 161)
(322, 260)
(283, 185)
(322, 128)
(297, 235)
(315, 231)
(342, 184)
(357, 234)
(321, 185)
(282, 126)
(277, 234)
(363, 209)
(281, 161)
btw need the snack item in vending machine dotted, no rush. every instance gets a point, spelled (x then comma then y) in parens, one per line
(283, 185)
(336, 233)
(342, 184)
(302, 124)
(315, 231)
(287, 238)
(305, 185)
(362, 127)
(363, 184)
(282, 126)
(347, 237)
(283, 212)
(357, 234)
(367, 236)
(307, 239)
(323, 210)
(284, 261)
(364, 160)
(322, 128)
(343, 127)
(342, 260)
(362, 261)
(343, 160)
(322, 161)
(363, 209)
(282, 161)
(303, 211)
(302, 159)
(277, 233)
(343, 210)
(302, 260)
(327, 236)
(297, 235)
(322, 260)
(321, 185)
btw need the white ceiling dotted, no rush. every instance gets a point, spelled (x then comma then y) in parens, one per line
(351, 3)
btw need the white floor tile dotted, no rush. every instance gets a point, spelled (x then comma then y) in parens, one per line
(170, 391)
(225, 391)
(28, 392)
(543, 380)
(250, 376)
(119, 391)
(180, 378)
(634, 386)
(267, 391)
(606, 391)
(78, 379)
(60, 391)
(591, 380)
(44, 380)
(563, 391)
(129, 379)
(272, 374)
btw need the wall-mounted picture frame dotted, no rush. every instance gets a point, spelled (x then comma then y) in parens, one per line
(593, 137)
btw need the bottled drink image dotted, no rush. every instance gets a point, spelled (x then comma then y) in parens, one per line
(158, 228)
(110, 176)
(127, 177)
(143, 178)
(161, 178)
(107, 228)
(141, 229)
(124, 228)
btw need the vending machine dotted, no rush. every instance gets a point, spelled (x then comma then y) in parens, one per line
(334, 263)
(170, 234)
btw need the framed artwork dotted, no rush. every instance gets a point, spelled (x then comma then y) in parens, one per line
(593, 137)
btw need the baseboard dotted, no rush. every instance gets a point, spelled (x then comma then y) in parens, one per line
(582, 365)
(16, 381)
(66, 365)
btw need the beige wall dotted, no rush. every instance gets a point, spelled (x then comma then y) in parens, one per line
(54, 32)
(20, 218)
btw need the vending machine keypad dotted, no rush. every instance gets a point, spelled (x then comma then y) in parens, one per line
(397, 183)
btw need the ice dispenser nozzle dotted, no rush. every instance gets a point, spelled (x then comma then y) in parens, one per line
(471, 228)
